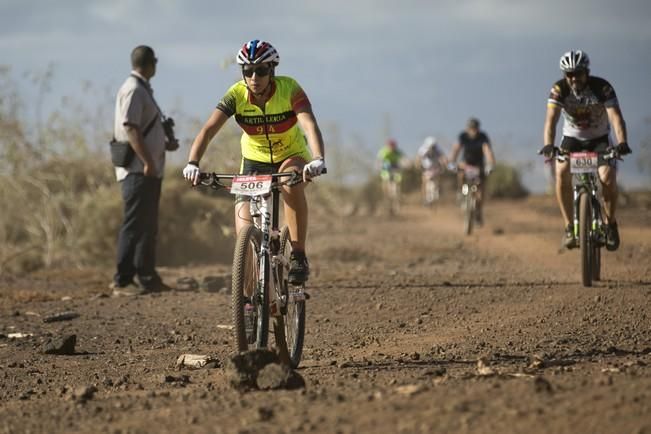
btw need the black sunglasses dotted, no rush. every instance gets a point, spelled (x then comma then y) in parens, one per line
(574, 74)
(260, 71)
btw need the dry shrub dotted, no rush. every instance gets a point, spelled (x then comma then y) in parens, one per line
(196, 225)
(504, 182)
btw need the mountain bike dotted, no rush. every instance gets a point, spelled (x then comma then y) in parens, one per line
(260, 288)
(589, 226)
(470, 195)
(391, 183)
(431, 190)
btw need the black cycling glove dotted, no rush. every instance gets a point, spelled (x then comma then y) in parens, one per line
(548, 151)
(623, 149)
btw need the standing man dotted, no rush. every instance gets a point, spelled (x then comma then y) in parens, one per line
(477, 152)
(138, 121)
(589, 106)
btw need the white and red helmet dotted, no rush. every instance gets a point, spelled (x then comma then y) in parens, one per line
(575, 60)
(256, 52)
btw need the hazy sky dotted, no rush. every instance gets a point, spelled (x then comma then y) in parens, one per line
(426, 66)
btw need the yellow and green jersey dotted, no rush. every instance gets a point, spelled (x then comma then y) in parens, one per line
(390, 159)
(270, 135)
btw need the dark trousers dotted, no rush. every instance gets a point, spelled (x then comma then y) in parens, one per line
(136, 254)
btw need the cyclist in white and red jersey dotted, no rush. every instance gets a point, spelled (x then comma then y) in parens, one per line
(432, 162)
(589, 106)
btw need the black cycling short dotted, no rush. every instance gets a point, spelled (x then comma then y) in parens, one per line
(599, 145)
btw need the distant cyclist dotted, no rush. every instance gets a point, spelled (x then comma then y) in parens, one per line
(390, 160)
(269, 109)
(432, 162)
(589, 106)
(475, 148)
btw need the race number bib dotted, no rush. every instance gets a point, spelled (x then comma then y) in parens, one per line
(471, 172)
(255, 185)
(583, 162)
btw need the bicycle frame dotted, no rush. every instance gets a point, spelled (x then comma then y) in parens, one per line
(588, 183)
(265, 212)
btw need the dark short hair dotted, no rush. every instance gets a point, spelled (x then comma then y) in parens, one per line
(473, 123)
(142, 56)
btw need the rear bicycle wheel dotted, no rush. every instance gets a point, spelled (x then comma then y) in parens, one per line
(294, 311)
(585, 241)
(250, 327)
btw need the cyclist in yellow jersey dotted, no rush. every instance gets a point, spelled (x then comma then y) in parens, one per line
(269, 109)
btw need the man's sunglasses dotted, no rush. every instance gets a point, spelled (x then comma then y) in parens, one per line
(260, 71)
(575, 74)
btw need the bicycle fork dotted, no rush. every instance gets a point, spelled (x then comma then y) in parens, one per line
(596, 232)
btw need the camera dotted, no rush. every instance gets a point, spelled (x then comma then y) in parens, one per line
(171, 142)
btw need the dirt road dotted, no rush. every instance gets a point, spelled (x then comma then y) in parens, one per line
(412, 328)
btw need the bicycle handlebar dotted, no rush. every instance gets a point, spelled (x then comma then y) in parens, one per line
(562, 156)
(212, 179)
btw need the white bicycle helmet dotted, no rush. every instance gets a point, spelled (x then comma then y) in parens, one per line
(430, 141)
(256, 52)
(575, 60)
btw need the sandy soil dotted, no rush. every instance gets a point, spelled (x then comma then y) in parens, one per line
(412, 328)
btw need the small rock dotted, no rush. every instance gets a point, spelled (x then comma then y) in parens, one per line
(483, 369)
(216, 283)
(275, 376)
(195, 361)
(64, 345)
(498, 231)
(26, 394)
(19, 335)
(83, 393)
(181, 379)
(187, 284)
(436, 372)
(61, 316)
(536, 362)
(542, 385)
(410, 389)
(241, 370)
(265, 414)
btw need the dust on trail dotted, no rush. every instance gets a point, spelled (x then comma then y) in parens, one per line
(412, 327)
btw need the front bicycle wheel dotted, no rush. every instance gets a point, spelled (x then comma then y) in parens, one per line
(469, 216)
(294, 311)
(596, 263)
(248, 302)
(585, 241)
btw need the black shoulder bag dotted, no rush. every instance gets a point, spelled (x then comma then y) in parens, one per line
(122, 153)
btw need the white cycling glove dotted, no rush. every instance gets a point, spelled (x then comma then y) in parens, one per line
(191, 172)
(314, 168)
(488, 169)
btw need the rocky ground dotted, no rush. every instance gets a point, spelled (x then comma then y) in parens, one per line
(412, 328)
